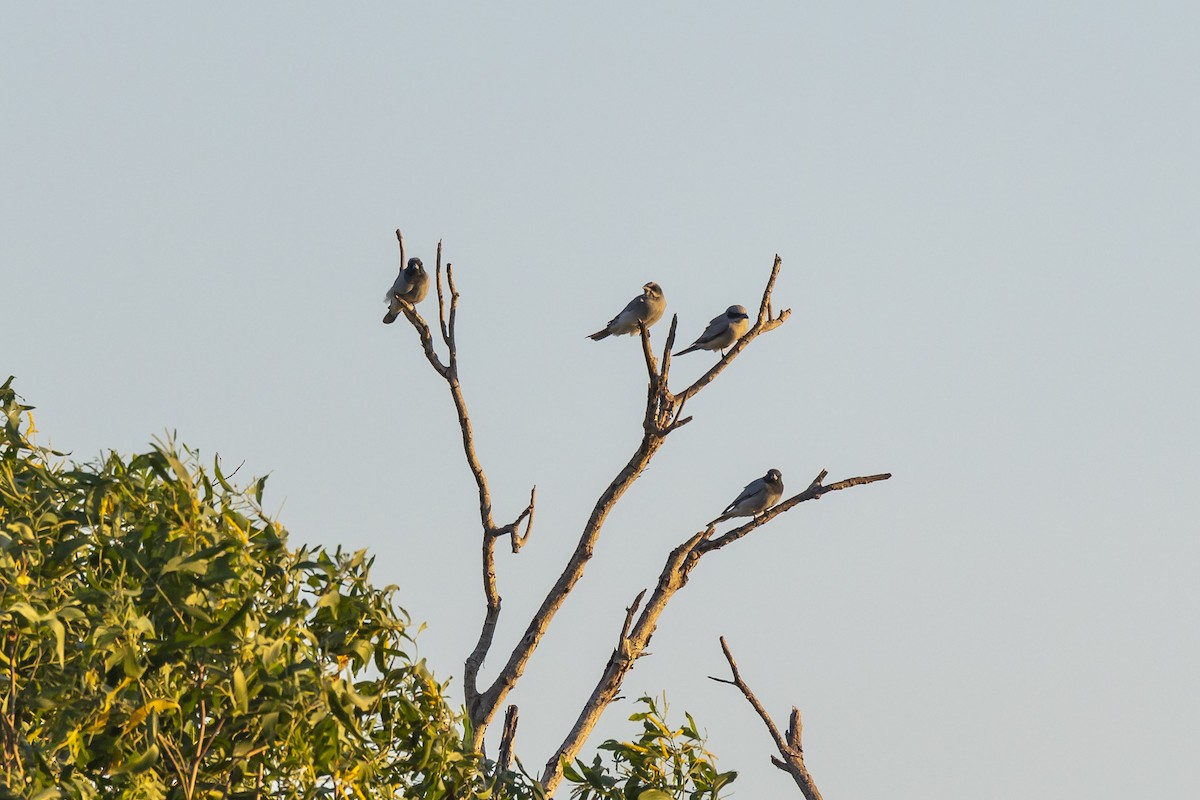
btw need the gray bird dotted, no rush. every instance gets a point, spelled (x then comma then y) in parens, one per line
(647, 307)
(722, 331)
(411, 286)
(758, 496)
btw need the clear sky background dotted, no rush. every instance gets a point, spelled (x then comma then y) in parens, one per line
(988, 213)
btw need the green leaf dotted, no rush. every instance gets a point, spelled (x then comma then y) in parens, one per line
(141, 763)
(26, 611)
(186, 563)
(240, 695)
(60, 640)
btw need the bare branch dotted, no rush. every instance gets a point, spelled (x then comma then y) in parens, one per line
(814, 492)
(668, 346)
(506, 739)
(418, 322)
(648, 353)
(513, 528)
(452, 343)
(765, 322)
(659, 406)
(630, 647)
(791, 750)
(447, 317)
(485, 704)
(682, 560)
(663, 414)
(441, 297)
(400, 239)
(623, 640)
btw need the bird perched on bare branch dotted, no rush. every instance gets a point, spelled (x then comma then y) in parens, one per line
(758, 496)
(411, 286)
(647, 308)
(722, 331)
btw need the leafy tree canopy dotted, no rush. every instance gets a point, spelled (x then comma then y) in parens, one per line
(160, 639)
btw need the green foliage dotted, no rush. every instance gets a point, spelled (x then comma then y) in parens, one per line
(663, 764)
(159, 639)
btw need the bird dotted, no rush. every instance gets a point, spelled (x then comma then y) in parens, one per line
(722, 331)
(411, 286)
(647, 308)
(758, 496)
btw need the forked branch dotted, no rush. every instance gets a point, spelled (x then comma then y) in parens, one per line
(765, 322)
(663, 415)
(447, 318)
(674, 576)
(790, 747)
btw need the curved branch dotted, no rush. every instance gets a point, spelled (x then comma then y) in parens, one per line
(513, 529)
(765, 322)
(447, 320)
(682, 560)
(814, 492)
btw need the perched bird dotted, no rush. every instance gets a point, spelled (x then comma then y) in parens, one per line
(758, 496)
(722, 331)
(647, 308)
(411, 286)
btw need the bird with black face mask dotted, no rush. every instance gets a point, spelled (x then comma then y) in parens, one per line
(722, 331)
(647, 308)
(757, 497)
(411, 286)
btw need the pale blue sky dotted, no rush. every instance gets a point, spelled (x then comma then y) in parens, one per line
(988, 215)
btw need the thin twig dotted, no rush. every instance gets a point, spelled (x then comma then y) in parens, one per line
(447, 319)
(423, 332)
(790, 748)
(623, 640)
(441, 298)
(764, 323)
(513, 529)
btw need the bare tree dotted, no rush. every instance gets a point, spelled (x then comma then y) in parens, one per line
(663, 415)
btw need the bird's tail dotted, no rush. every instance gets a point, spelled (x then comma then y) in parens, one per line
(390, 317)
(600, 334)
(686, 350)
(720, 519)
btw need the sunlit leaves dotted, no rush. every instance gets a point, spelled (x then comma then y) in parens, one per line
(160, 639)
(664, 763)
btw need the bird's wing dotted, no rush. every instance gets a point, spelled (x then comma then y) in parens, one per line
(715, 328)
(633, 311)
(636, 306)
(400, 285)
(753, 488)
